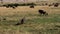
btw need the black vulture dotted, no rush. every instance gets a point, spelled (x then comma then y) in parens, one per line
(32, 6)
(56, 4)
(21, 21)
(42, 12)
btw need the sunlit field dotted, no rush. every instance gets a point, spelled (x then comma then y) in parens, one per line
(34, 22)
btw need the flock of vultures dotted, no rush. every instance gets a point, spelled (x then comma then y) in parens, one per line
(41, 12)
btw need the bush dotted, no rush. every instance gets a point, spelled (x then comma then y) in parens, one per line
(26, 4)
(16, 4)
(22, 4)
(30, 4)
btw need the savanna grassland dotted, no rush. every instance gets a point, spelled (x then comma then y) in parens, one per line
(34, 22)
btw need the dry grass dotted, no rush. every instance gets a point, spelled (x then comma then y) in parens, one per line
(34, 24)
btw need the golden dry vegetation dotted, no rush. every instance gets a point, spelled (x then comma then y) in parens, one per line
(34, 23)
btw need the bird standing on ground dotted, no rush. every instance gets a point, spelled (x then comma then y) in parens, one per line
(21, 21)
